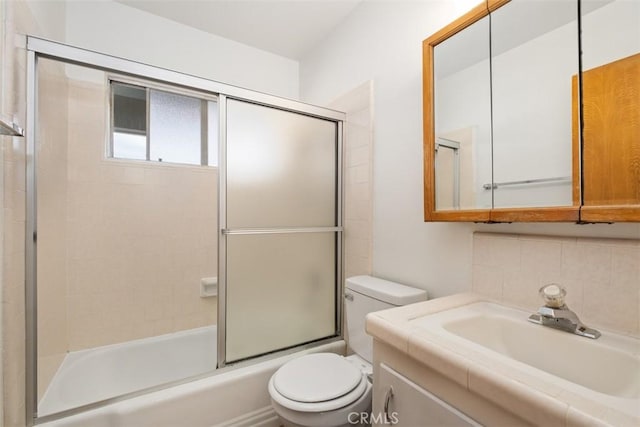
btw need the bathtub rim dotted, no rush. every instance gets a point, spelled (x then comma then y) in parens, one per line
(319, 345)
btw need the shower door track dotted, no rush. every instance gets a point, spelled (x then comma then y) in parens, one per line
(41, 48)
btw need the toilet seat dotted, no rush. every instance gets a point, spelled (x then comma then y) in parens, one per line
(317, 383)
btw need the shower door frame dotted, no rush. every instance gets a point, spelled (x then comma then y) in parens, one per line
(41, 48)
(224, 231)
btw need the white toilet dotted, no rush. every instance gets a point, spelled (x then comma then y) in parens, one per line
(323, 389)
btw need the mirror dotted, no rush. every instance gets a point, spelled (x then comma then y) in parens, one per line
(559, 137)
(457, 119)
(462, 99)
(531, 70)
(611, 109)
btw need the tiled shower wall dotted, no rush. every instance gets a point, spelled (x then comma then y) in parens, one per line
(141, 236)
(122, 246)
(358, 221)
(52, 227)
(601, 276)
(358, 181)
(17, 19)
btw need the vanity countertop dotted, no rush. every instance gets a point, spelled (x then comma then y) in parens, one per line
(536, 396)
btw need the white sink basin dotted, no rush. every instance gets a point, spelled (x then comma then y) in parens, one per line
(609, 365)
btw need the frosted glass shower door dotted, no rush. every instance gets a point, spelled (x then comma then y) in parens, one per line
(282, 229)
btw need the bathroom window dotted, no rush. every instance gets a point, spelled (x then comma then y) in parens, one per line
(162, 126)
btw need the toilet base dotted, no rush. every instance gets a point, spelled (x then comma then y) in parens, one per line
(348, 416)
(287, 423)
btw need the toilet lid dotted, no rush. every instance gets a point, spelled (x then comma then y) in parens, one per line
(316, 378)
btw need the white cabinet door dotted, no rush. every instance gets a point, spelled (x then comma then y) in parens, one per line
(409, 405)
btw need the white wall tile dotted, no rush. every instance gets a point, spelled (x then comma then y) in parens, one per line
(358, 184)
(134, 253)
(601, 276)
(488, 281)
(517, 289)
(595, 262)
(482, 251)
(358, 155)
(506, 252)
(541, 256)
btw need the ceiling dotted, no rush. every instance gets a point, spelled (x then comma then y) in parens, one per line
(285, 27)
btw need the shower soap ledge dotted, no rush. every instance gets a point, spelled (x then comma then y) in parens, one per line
(208, 287)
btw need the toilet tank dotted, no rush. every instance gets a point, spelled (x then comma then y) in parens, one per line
(365, 294)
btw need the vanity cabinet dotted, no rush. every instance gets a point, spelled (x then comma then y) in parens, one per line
(520, 126)
(406, 404)
(422, 396)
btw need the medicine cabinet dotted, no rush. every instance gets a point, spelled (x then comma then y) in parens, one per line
(518, 126)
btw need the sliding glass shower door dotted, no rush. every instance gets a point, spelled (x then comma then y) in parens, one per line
(280, 229)
(121, 227)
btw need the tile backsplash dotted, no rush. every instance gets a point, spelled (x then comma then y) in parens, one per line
(601, 276)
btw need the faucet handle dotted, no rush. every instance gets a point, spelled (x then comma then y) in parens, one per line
(553, 295)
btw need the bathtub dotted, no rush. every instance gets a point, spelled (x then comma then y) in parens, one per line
(235, 396)
(101, 373)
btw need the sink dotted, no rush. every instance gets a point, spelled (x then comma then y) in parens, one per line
(609, 365)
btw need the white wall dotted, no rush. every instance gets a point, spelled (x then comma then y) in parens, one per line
(49, 16)
(113, 28)
(382, 41)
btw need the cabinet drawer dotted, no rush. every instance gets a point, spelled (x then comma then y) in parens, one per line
(409, 405)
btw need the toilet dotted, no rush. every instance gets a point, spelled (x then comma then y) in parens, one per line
(329, 390)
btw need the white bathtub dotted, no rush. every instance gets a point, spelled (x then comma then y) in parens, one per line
(236, 397)
(100, 373)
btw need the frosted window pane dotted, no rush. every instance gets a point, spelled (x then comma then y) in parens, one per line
(281, 168)
(280, 291)
(175, 128)
(129, 146)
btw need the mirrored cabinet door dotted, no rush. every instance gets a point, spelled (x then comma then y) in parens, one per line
(462, 99)
(611, 110)
(534, 55)
(457, 119)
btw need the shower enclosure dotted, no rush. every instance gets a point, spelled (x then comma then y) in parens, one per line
(146, 188)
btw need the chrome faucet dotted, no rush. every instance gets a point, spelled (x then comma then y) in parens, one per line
(556, 314)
